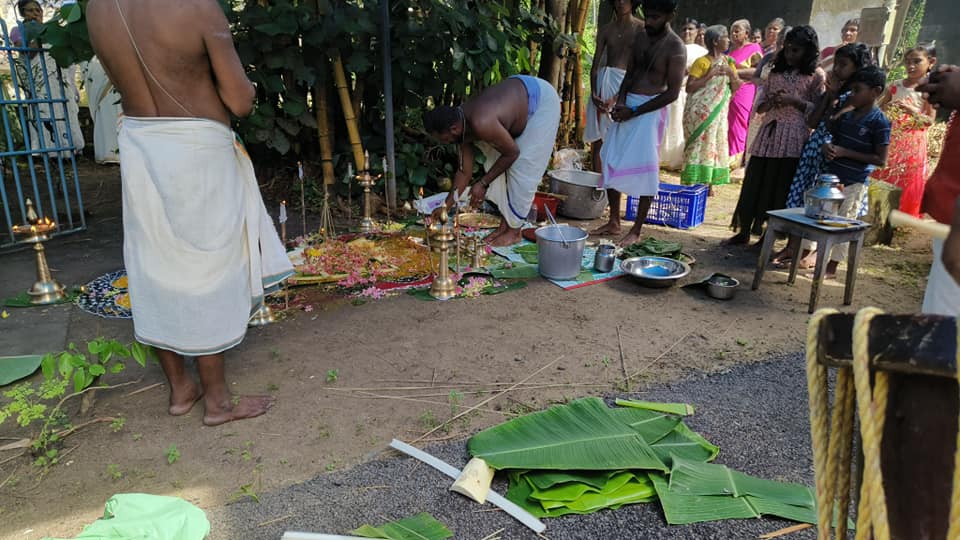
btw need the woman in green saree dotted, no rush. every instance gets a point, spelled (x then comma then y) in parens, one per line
(713, 79)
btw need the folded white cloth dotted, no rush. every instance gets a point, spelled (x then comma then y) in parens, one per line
(513, 191)
(609, 80)
(630, 153)
(199, 248)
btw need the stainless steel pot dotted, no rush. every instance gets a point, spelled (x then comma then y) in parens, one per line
(560, 251)
(582, 199)
(605, 257)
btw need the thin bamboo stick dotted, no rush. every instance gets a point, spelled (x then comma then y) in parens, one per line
(353, 132)
(578, 95)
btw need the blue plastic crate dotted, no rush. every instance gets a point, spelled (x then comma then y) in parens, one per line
(682, 207)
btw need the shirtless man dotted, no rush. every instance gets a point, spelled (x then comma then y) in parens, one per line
(186, 68)
(614, 44)
(514, 123)
(654, 78)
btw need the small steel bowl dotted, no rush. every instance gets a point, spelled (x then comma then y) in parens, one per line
(656, 272)
(722, 287)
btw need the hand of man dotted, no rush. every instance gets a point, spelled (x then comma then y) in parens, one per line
(942, 87)
(477, 194)
(599, 103)
(621, 113)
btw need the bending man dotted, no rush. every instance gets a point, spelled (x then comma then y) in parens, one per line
(514, 124)
(199, 248)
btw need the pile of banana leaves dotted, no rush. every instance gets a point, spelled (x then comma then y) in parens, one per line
(584, 456)
(651, 247)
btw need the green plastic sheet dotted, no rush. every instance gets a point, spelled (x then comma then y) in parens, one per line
(129, 516)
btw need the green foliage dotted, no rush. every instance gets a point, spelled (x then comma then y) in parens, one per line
(908, 39)
(333, 375)
(73, 369)
(442, 52)
(172, 454)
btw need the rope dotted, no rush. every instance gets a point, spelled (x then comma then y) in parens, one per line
(817, 390)
(872, 511)
(953, 532)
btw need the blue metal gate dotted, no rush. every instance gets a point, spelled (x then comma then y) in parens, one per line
(37, 150)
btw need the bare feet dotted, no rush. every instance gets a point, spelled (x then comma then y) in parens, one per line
(492, 237)
(183, 399)
(739, 239)
(612, 227)
(238, 408)
(630, 239)
(507, 238)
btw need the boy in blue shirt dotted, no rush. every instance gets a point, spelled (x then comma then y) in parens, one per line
(861, 136)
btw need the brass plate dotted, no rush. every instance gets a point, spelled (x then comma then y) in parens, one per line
(479, 221)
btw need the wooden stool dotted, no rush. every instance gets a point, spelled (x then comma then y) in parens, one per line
(794, 223)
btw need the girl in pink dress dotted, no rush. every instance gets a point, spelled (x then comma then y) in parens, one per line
(787, 98)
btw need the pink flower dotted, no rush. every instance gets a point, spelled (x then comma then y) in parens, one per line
(308, 308)
(373, 292)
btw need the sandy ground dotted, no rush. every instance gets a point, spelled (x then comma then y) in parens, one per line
(402, 366)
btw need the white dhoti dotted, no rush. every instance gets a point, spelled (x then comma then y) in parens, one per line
(609, 80)
(514, 190)
(198, 245)
(631, 163)
(105, 110)
(673, 142)
(942, 296)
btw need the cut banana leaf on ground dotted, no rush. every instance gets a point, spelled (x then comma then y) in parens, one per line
(422, 526)
(621, 488)
(581, 435)
(684, 443)
(679, 409)
(695, 478)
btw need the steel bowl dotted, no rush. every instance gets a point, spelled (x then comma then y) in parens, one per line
(656, 272)
(722, 287)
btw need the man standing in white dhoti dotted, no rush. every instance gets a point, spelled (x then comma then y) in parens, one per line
(614, 45)
(199, 248)
(514, 123)
(631, 161)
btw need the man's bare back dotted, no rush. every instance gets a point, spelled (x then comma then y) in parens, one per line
(504, 104)
(185, 44)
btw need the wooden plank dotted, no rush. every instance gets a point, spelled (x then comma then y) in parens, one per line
(910, 344)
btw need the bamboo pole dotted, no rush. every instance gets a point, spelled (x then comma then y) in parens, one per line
(321, 95)
(578, 96)
(353, 132)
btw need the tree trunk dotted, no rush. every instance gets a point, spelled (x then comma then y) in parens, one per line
(551, 62)
(321, 98)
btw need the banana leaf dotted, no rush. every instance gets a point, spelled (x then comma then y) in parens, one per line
(651, 425)
(682, 509)
(520, 491)
(528, 252)
(571, 491)
(14, 368)
(679, 409)
(422, 526)
(517, 271)
(684, 443)
(547, 479)
(581, 435)
(688, 477)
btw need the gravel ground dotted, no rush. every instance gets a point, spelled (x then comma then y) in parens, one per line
(757, 414)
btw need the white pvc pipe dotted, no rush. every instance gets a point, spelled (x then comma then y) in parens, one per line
(518, 513)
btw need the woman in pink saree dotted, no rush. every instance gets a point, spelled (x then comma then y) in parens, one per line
(747, 55)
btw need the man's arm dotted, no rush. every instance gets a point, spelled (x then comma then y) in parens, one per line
(676, 69)
(942, 88)
(461, 179)
(878, 157)
(235, 89)
(595, 67)
(493, 132)
(630, 74)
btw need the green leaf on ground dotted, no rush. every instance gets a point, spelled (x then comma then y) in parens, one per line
(422, 526)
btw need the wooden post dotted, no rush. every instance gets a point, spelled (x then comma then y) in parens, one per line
(920, 431)
(353, 131)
